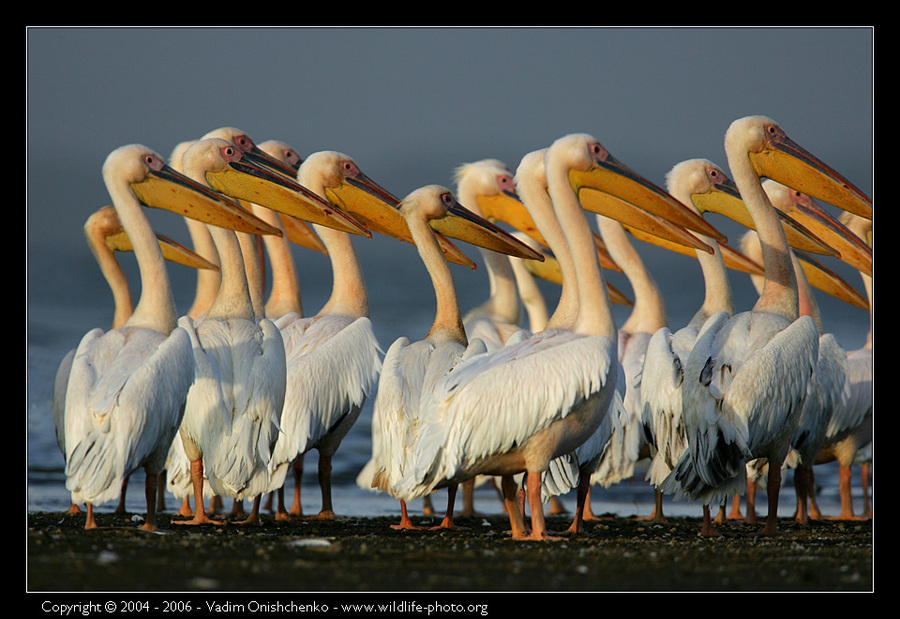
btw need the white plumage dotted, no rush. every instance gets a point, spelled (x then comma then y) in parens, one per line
(127, 387)
(413, 371)
(105, 236)
(662, 374)
(748, 375)
(491, 415)
(333, 358)
(234, 408)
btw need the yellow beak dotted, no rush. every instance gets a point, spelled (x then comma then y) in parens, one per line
(639, 219)
(300, 233)
(852, 249)
(170, 190)
(116, 239)
(247, 179)
(822, 278)
(507, 208)
(724, 199)
(462, 224)
(379, 211)
(549, 270)
(786, 162)
(609, 176)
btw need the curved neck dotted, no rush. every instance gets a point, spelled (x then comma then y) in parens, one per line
(348, 293)
(208, 280)
(649, 312)
(717, 288)
(447, 323)
(114, 276)
(537, 201)
(808, 305)
(504, 295)
(284, 296)
(531, 296)
(503, 302)
(594, 311)
(251, 251)
(156, 306)
(233, 299)
(779, 294)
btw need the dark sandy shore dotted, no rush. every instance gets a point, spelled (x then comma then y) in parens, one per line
(363, 556)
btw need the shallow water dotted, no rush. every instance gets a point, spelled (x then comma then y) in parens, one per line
(402, 304)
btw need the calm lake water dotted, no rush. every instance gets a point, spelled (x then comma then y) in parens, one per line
(67, 297)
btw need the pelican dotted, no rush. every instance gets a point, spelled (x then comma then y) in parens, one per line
(105, 236)
(232, 413)
(412, 369)
(535, 421)
(284, 296)
(747, 375)
(333, 358)
(563, 473)
(647, 316)
(854, 445)
(826, 414)
(127, 387)
(178, 467)
(498, 318)
(830, 393)
(207, 285)
(703, 186)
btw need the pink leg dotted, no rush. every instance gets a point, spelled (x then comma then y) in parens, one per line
(151, 487)
(200, 516)
(405, 522)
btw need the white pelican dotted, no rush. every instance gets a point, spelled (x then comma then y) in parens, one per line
(178, 468)
(491, 183)
(747, 375)
(648, 315)
(703, 186)
(855, 445)
(333, 358)
(533, 422)
(411, 370)
(826, 414)
(825, 405)
(127, 387)
(498, 318)
(284, 294)
(233, 409)
(105, 236)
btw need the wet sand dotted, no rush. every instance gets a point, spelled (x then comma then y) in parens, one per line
(311, 560)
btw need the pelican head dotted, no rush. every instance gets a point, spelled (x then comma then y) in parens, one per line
(493, 187)
(339, 180)
(342, 182)
(803, 209)
(607, 187)
(296, 230)
(775, 156)
(158, 185)
(447, 216)
(230, 171)
(283, 153)
(258, 155)
(104, 226)
(712, 191)
(703, 187)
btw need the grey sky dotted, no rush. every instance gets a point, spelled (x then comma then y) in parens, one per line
(409, 104)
